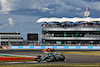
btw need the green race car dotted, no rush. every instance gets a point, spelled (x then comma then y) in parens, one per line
(51, 57)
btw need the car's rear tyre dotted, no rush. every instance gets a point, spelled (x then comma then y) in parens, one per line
(61, 59)
(38, 58)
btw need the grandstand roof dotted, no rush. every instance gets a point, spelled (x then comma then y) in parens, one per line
(64, 19)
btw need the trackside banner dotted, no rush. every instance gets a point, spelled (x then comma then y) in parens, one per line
(54, 47)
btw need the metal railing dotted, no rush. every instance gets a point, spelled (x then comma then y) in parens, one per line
(71, 28)
(71, 38)
(50, 35)
(91, 35)
(68, 26)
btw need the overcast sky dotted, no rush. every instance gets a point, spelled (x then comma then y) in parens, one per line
(21, 15)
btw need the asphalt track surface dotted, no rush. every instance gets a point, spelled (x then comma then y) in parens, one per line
(70, 58)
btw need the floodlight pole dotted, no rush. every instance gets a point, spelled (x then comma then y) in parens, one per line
(86, 7)
(38, 38)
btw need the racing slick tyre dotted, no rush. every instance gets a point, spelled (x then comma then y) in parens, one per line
(62, 58)
(38, 58)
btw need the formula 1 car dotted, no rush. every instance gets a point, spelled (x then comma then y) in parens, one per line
(51, 57)
(47, 50)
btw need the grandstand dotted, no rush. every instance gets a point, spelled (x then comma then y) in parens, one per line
(70, 31)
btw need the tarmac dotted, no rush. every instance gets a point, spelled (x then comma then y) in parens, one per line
(70, 58)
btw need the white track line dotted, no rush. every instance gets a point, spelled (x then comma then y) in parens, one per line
(13, 62)
(31, 62)
(23, 62)
(19, 55)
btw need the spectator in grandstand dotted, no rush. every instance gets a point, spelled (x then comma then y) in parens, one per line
(52, 34)
(0, 46)
(47, 34)
(87, 44)
(97, 44)
(55, 44)
(79, 44)
(47, 24)
(43, 25)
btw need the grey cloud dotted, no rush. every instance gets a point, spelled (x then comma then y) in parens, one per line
(36, 7)
(92, 0)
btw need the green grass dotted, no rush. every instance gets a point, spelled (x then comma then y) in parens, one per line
(52, 65)
(17, 60)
